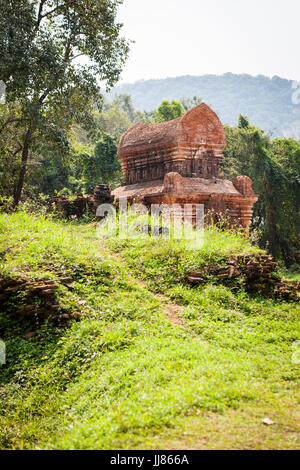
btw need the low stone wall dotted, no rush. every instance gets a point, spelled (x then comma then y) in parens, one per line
(79, 206)
(34, 299)
(258, 272)
(72, 208)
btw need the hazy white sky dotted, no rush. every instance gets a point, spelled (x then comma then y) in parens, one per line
(195, 37)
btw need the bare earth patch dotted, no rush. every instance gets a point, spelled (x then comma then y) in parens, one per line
(239, 429)
(171, 311)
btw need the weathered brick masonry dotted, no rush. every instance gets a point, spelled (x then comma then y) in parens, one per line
(178, 162)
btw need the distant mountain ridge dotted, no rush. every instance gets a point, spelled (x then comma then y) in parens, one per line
(267, 101)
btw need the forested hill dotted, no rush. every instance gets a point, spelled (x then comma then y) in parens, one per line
(267, 102)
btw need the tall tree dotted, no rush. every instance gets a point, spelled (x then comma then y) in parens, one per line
(113, 120)
(124, 102)
(243, 122)
(274, 167)
(188, 103)
(41, 42)
(103, 166)
(168, 110)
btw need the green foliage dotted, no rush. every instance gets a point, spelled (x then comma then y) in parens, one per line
(6, 204)
(168, 111)
(113, 120)
(123, 375)
(188, 103)
(118, 116)
(243, 122)
(171, 258)
(102, 167)
(124, 102)
(50, 90)
(274, 167)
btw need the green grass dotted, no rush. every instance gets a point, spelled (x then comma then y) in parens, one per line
(124, 377)
(291, 275)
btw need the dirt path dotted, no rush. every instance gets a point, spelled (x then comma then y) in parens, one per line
(171, 311)
(243, 428)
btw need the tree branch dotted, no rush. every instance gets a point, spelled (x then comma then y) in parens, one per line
(58, 7)
(52, 11)
(40, 16)
(78, 55)
(10, 120)
(14, 153)
(42, 97)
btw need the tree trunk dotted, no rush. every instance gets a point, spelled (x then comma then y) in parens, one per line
(25, 150)
(23, 169)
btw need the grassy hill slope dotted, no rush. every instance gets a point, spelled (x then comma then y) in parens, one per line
(151, 362)
(267, 102)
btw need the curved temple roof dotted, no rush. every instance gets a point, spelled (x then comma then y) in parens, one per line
(198, 126)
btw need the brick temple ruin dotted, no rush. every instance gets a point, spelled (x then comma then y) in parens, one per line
(178, 162)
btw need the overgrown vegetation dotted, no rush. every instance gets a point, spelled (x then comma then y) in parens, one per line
(274, 167)
(48, 90)
(81, 152)
(123, 376)
(107, 345)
